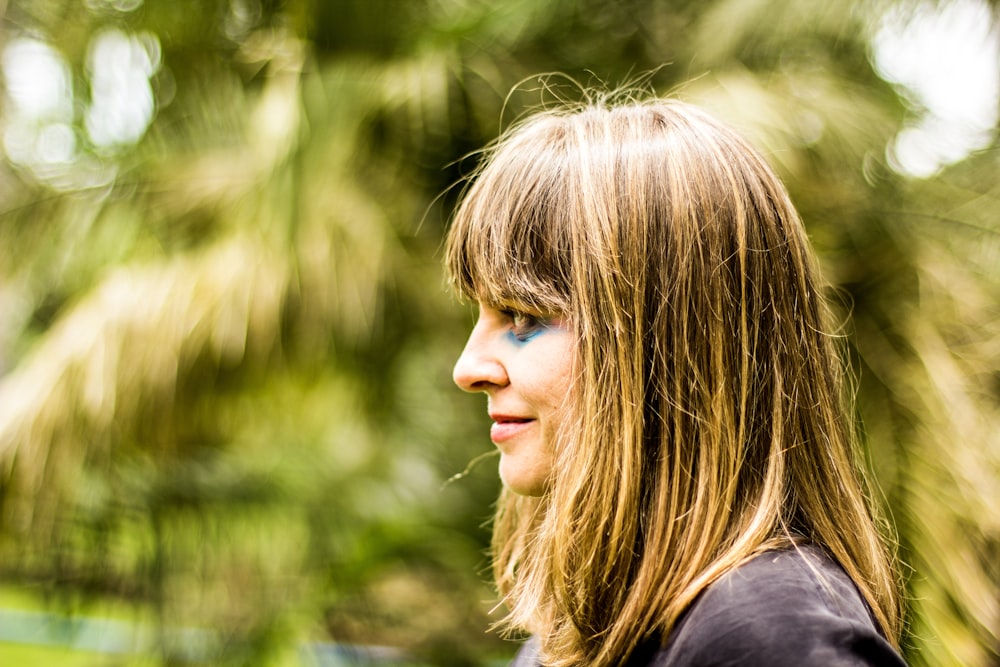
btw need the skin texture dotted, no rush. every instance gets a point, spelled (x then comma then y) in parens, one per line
(523, 363)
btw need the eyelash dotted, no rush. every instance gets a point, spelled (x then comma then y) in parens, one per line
(523, 325)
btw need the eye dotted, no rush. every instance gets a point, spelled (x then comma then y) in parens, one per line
(524, 325)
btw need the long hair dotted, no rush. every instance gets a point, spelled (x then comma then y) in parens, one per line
(711, 420)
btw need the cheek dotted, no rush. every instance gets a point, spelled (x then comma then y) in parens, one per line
(553, 385)
(542, 369)
(559, 372)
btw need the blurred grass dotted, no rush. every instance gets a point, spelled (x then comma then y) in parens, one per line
(52, 657)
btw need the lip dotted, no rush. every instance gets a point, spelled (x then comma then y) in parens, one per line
(506, 427)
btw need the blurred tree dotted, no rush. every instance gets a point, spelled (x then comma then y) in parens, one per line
(227, 342)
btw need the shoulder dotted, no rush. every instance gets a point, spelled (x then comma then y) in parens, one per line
(528, 655)
(790, 607)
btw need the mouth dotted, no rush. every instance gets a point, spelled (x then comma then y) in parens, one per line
(506, 427)
(509, 419)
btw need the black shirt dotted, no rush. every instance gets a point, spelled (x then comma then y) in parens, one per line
(794, 607)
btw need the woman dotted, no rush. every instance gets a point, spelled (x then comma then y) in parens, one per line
(676, 446)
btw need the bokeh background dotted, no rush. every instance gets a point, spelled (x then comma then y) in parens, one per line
(228, 434)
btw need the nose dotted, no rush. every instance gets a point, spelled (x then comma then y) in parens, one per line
(478, 368)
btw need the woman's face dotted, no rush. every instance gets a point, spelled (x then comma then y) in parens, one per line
(523, 363)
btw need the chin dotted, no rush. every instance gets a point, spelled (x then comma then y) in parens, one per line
(523, 482)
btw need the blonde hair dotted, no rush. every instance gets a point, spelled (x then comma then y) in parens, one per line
(711, 420)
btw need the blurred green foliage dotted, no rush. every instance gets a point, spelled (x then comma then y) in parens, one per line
(226, 341)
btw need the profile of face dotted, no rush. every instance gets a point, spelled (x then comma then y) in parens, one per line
(523, 363)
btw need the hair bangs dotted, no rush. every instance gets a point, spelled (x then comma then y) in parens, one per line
(509, 243)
